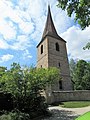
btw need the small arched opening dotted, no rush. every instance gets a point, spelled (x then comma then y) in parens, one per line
(60, 84)
(57, 46)
(41, 49)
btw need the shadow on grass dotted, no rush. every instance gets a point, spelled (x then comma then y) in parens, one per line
(60, 115)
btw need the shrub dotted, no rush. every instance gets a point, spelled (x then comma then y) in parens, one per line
(25, 86)
(6, 102)
(15, 115)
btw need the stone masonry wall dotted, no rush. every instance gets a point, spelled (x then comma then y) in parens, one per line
(59, 59)
(79, 95)
(53, 58)
(42, 59)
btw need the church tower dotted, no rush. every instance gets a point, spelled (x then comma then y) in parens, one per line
(52, 52)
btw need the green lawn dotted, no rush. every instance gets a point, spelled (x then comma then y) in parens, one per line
(75, 104)
(85, 116)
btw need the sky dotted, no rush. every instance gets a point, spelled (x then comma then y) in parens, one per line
(21, 27)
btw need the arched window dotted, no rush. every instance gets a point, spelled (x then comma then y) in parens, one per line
(60, 84)
(57, 46)
(59, 64)
(41, 49)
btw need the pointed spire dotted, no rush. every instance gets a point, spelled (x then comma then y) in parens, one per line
(49, 27)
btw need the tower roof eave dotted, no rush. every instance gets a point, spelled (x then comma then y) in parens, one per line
(51, 35)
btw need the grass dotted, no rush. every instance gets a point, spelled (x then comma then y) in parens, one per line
(75, 104)
(85, 116)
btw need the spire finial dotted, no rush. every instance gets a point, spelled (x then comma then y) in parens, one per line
(48, 3)
(49, 27)
(49, 9)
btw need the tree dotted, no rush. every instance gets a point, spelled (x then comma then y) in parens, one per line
(2, 70)
(87, 46)
(82, 75)
(81, 9)
(26, 85)
(86, 77)
(72, 65)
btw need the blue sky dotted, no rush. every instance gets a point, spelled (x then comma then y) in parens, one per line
(21, 26)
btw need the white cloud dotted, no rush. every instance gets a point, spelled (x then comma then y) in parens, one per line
(3, 44)
(60, 18)
(36, 8)
(27, 55)
(22, 43)
(8, 19)
(26, 27)
(6, 58)
(28, 18)
(7, 30)
(25, 22)
(76, 40)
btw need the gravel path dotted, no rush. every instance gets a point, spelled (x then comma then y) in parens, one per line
(78, 111)
(59, 113)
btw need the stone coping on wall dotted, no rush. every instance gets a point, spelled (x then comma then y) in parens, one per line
(71, 91)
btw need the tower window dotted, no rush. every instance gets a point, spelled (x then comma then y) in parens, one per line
(41, 49)
(57, 46)
(59, 64)
(60, 85)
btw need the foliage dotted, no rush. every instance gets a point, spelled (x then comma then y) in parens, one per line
(2, 70)
(81, 9)
(6, 102)
(72, 65)
(20, 81)
(75, 104)
(15, 115)
(81, 75)
(25, 85)
(87, 46)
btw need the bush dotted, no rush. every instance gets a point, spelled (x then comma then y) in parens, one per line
(6, 102)
(15, 115)
(25, 86)
(35, 105)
